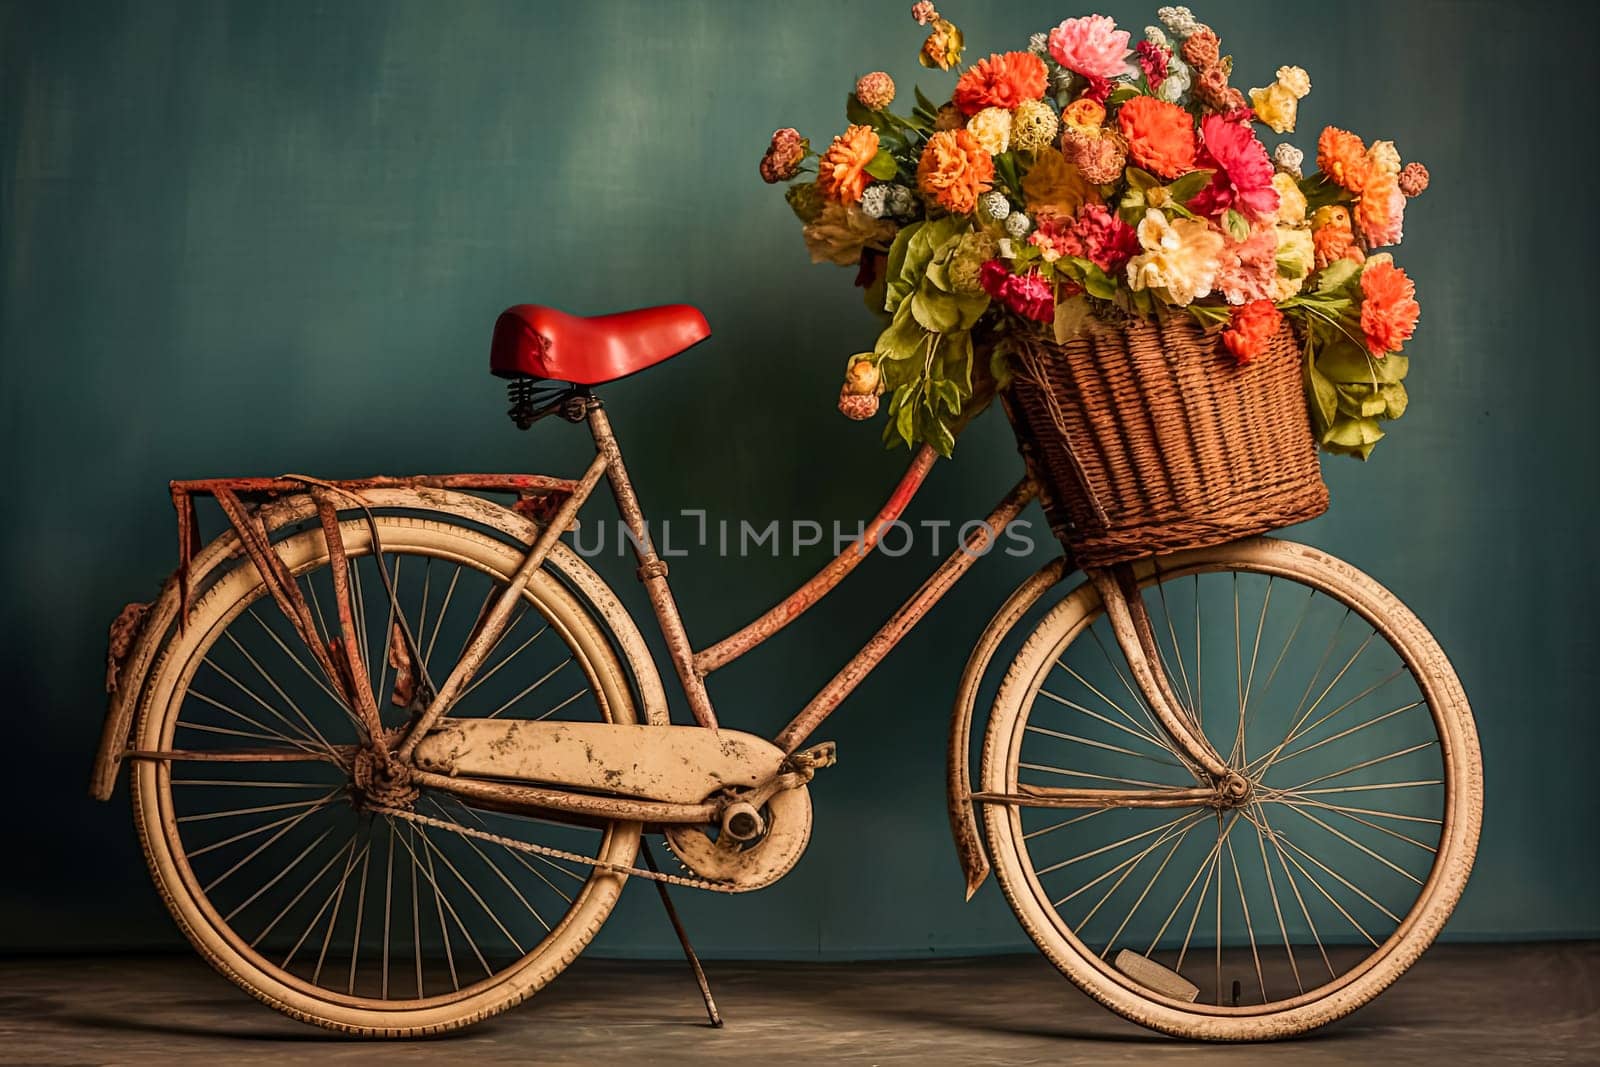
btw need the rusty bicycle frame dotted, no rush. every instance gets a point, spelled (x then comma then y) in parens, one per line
(385, 762)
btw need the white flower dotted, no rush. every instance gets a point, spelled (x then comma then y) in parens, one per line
(1287, 158)
(1296, 80)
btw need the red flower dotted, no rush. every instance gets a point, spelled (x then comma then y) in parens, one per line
(1029, 295)
(1003, 80)
(1243, 177)
(1254, 325)
(1153, 60)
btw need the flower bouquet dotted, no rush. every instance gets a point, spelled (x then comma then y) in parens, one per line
(1088, 181)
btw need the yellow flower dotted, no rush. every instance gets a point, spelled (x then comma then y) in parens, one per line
(1291, 201)
(1180, 258)
(1278, 105)
(1054, 185)
(992, 128)
(1296, 256)
(1034, 125)
(840, 232)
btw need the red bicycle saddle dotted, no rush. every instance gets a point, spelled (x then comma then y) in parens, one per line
(539, 342)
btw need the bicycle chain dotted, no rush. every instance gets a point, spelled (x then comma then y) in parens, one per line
(558, 853)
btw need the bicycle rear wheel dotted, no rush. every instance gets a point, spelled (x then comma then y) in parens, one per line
(279, 869)
(1304, 902)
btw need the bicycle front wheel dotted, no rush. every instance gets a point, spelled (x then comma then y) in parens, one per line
(1301, 903)
(276, 861)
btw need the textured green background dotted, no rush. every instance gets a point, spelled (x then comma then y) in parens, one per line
(249, 238)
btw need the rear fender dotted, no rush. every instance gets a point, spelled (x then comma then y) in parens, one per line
(128, 673)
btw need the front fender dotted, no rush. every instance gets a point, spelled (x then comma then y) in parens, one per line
(127, 685)
(963, 815)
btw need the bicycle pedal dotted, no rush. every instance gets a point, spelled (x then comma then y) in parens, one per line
(1153, 976)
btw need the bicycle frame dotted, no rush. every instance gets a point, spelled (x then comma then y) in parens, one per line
(691, 667)
(1117, 587)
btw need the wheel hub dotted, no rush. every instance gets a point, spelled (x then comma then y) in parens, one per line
(1233, 790)
(379, 780)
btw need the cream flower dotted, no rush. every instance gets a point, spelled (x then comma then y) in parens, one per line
(1034, 125)
(1296, 80)
(1291, 201)
(841, 231)
(1384, 157)
(992, 128)
(1179, 258)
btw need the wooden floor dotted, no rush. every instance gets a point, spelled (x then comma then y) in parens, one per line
(1459, 1005)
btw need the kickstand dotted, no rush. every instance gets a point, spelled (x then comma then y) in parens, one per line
(683, 938)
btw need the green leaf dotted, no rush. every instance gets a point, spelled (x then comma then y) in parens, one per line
(1070, 316)
(935, 309)
(1321, 396)
(1353, 437)
(1238, 225)
(1395, 399)
(905, 339)
(905, 418)
(1336, 275)
(1121, 95)
(883, 167)
(1142, 180)
(1187, 187)
(923, 102)
(944, 442)
(1361, 401)
(1345, 363)
(858, 113)
(895, 290)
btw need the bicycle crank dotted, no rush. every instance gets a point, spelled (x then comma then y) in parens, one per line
(763, 832)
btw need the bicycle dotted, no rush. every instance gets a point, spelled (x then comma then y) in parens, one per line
(370, 835)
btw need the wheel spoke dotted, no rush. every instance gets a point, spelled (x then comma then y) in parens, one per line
(492, 865)
(1249, 927)
(1281, 760)
(333, 920)
(268, 734)
(1363, 765)
(536, 684)
(310, 733)
(1138, 698)
(1176, 844)
(1130, 839)
(492, 671)
(444, 607)
(321, 683)
(1101, 745)
(348, 850)
(1277, 909)
(326, 799)
(1065, 822)
(1139, 733)
(1347, 839)
(288, 822)
(1093, 777)
(275, 879)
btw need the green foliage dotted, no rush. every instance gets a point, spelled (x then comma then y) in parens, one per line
(926, 353)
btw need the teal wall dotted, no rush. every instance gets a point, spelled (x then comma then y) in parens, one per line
(249, 238)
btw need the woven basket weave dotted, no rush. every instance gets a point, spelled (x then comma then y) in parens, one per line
(1145, 438)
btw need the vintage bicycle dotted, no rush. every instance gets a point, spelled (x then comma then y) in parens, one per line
(1231, 792)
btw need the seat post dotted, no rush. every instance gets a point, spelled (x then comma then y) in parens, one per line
(652, 569)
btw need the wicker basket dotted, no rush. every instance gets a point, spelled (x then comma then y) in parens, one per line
(1145, 438)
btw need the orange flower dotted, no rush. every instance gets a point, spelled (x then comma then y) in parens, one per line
(1001, 81)
(955, 171)
(1085, 111)
(841, 172)
(1331, 236)
(1253, 326)
(1160, 135)
(1342, 157)
(1380, 213)
(1389, 306)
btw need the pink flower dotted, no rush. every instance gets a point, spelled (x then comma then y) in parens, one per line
(923, 11)
(1095, 234)
(1243, 178)
(1153, 60)
(1248, 269)
(1091, 46)
(1029, 295)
